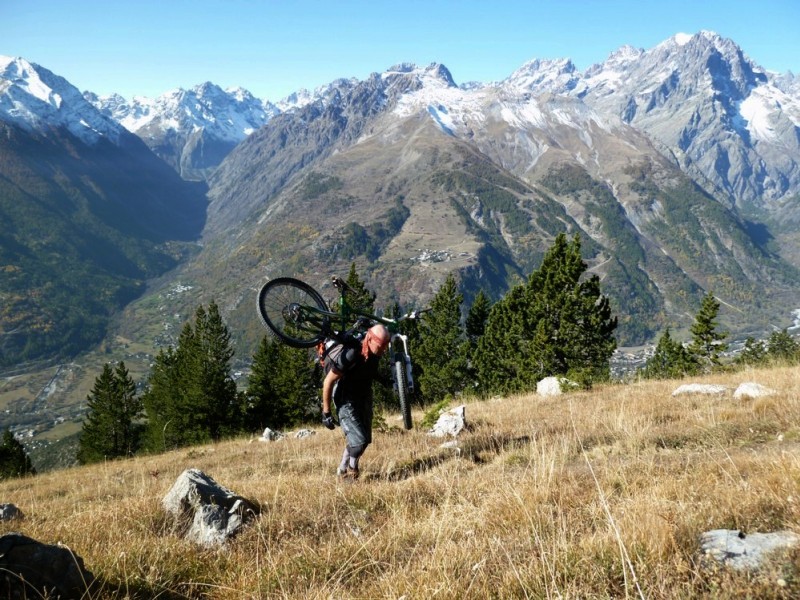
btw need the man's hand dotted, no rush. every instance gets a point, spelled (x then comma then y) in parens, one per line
(329, 421)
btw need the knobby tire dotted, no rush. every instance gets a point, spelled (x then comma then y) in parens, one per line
(281, 308)
(402, 390)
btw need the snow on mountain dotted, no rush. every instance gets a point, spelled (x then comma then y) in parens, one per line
(34, 98)
(517, 101)
(543, 76)
(229, 115)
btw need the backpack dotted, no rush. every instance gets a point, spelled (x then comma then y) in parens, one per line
(332, 352)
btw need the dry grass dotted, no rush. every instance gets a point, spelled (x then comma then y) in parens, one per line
(591, 495)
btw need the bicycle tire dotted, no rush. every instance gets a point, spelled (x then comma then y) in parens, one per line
(403, 395)
(280, 308)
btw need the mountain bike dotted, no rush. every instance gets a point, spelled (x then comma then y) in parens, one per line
(298, 315)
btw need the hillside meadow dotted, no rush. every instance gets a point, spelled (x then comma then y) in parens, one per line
(598, 494)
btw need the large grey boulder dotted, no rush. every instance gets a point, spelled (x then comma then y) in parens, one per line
(744, 551)
(206, 512)
(271, 436)
(450, 423)
(31, 569)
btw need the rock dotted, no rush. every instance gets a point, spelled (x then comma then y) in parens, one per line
(554, 386)
(206, 512)
(31, 569)
(450, 423)
(549, 386)
(700, 388)
(304, 433)
(9, 512)
(271, 436)
(744, 551)
(752, 390)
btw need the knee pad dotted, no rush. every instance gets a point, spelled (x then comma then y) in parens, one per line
(357, 451)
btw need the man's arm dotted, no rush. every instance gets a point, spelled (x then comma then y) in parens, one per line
(327, 389)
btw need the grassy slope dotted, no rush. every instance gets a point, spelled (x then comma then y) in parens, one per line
(590, 495)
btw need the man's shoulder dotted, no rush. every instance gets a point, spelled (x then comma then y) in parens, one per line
(346, 356)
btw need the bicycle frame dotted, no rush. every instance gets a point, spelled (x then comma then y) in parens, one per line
(286, 301)
(398, 342)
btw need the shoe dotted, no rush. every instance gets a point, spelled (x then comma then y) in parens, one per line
(347, 474)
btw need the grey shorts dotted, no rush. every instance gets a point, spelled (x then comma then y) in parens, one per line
(356, 422)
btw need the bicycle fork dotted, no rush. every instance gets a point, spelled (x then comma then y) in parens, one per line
(398, 347)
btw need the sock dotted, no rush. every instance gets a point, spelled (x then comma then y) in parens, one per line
(345, 460)
(354, 463)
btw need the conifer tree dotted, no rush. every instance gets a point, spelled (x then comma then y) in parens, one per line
(707, 345)
(474, 328)
(753, 353)
(782, 347)
(283, 386)
(111, 429)
(361, 297)
(441, 349)
(14, 461)
(553, 324)
(478, 313)
(670, 360)
(191, 397)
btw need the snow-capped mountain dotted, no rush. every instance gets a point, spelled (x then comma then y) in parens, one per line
(726, 121)
(192, 130)
(36, 99)
(88, 214)
(678, 165)
(229, 115)
(494, 169)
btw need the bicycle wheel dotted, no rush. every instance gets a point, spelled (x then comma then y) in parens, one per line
(293, 311)
(399, 371)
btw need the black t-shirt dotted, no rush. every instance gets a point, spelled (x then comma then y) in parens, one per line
(357, 375)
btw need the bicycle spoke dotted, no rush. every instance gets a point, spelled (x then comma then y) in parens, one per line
(292, 310)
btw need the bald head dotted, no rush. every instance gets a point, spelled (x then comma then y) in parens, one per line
(377, 340)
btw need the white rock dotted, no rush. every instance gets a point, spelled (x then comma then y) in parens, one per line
(549, 386)
(450, 423)
(270, 436)
(700, 388)
(750, 389)
(740, 551)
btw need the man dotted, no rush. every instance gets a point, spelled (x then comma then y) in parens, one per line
(349, 384)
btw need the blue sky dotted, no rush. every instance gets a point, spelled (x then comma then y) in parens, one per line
(147, 47)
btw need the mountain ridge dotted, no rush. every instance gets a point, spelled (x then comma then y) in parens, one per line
(546, 120)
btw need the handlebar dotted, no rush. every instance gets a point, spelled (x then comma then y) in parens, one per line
(340, 284)
(414, 314)
(363, 322)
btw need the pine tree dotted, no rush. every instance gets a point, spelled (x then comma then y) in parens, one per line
(360, 297)
(14, 461)
(283, 386)
(219, 397)
(441, 349)
(478, 313)
(707, 343)
(782, 347)
(474, 328)
(670, 360)
(554, 324)
(191, 396)
(753, 353)
(111, 429)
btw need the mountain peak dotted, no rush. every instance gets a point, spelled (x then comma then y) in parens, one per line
(434, 72)
(543, 75)
(34, 97)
